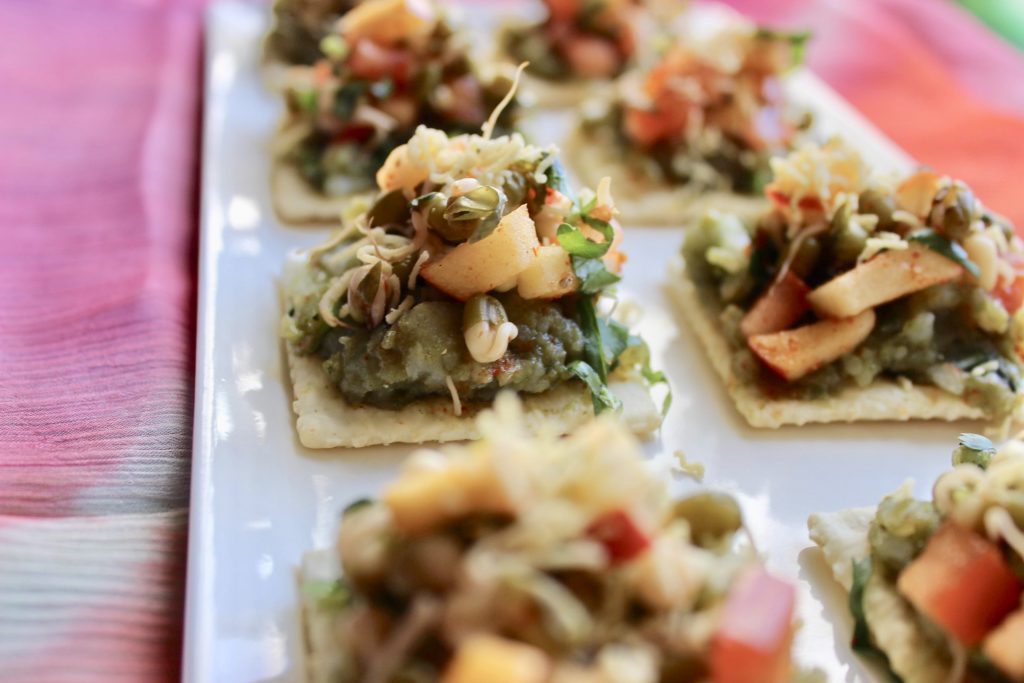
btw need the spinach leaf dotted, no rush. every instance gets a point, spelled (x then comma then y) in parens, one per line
(862, 642)
(946, 247)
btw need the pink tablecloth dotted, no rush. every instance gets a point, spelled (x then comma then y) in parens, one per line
(98, 132)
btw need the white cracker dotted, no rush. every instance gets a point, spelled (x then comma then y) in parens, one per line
(843, 538)
(326, 420)
(641, 201)
(297, 203)
(882, 400)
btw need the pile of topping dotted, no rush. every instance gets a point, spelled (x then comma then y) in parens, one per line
(389, 66)
(299, 25)
(958, 562)
(544, 560)
(475, 269)
(850, 278)
(711, 112)
(579, 39)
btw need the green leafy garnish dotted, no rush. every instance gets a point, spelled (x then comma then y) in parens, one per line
(974, 449)
(797, 41)
(862, 642)
(602, 396)
(556, 179)
(576, 243)
(592, 274)
(945, 247)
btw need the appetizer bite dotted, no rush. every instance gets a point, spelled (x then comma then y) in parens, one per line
(579, 44)
(706, 118)
(857, 298)
(473, 270)
(937, 587)
(389, 66)
(299, 26)
(526, 559)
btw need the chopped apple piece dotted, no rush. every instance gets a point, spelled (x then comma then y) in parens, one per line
(388, 21)
(779, 307)
(399, 172)
(478, 267)
(795, 353)
(884, 278)
(1003, 646)
(915, 194)
(426, 497)
(549, 276)
(497, 660)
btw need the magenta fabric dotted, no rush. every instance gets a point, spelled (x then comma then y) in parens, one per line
(99, 107)
(99, 104)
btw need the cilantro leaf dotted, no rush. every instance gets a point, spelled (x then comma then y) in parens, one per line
(945, 247)
(592, 274)
(602, 396)
(577, 244)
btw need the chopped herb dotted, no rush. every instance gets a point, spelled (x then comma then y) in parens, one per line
(862, 642)
(592, 274)
(556, 179)
(945, 247)
(602, 396)
(305, 100)
(577, 244)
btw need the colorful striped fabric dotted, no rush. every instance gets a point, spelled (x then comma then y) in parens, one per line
(98, 126)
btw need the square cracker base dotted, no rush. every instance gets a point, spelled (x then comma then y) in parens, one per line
(882, 400)
(325, 420)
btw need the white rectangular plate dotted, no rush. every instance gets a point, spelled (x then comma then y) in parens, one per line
(260, 500)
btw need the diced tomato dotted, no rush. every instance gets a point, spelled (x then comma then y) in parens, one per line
(782, 199)
(961, 582)
(646, 127)
(781, 306)
(372, 61)
(591, 56)
(618, 532)
(752, 642)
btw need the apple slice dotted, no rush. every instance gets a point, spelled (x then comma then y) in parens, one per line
(795, 353)
(886, 277)
(778, 308)
(549, 276)
(478, 267)
(916, 193)
(1003, 646)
